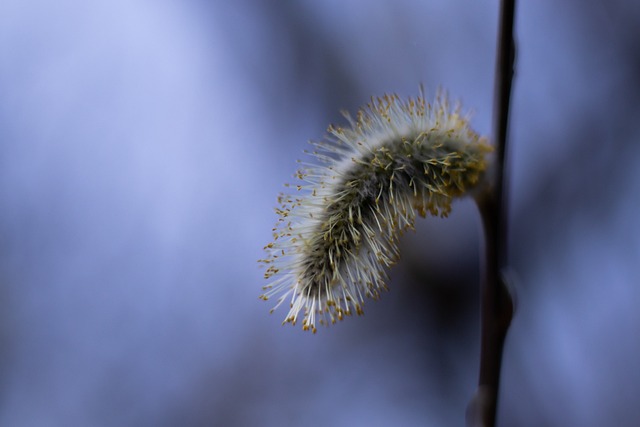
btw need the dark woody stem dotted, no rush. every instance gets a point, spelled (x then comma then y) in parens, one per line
(497, 306)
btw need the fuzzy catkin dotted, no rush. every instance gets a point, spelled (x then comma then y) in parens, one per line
(338, 233)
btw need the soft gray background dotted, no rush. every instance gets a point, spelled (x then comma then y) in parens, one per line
(142, 147)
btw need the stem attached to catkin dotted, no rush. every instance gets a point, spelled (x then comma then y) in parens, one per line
(496, 301)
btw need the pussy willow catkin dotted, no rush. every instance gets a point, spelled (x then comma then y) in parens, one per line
(338, 233)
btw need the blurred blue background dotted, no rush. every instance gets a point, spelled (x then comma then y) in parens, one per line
(142, 147)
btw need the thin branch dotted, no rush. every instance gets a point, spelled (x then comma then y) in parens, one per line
(496, 301)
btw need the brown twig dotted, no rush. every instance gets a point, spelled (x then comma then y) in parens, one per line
(496, 301)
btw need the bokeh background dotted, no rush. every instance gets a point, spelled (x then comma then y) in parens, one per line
(142, 147)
